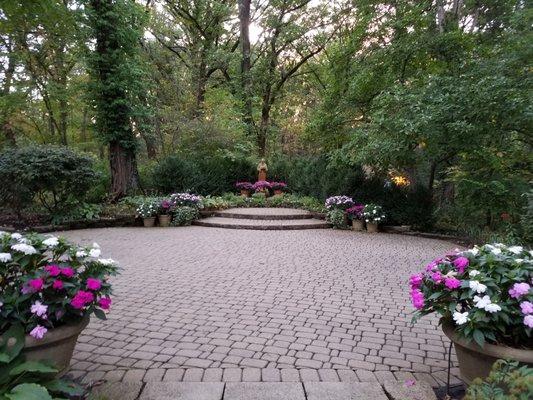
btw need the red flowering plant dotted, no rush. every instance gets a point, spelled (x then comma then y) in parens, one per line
(485, 293)
(46, 282)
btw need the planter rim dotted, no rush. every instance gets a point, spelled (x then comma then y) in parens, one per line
(493, 350)
(57, 334)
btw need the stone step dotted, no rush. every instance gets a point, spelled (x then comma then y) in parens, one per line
(266, 213)
(239, 223)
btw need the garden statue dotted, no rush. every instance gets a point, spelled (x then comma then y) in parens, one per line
(262, 169)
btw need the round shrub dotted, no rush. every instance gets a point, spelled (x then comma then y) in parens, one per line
(183, 216)
(56, 177)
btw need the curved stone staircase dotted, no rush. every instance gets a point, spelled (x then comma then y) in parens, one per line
(263, 219)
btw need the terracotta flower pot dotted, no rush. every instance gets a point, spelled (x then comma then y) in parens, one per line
(149, 222)
(371, 227)
(164, 220)
(278, 191)
(245, 193)
(56, 346)
(357, 225)
(475, 361)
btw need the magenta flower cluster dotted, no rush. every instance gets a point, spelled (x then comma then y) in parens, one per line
(356, 211)
(261, 186)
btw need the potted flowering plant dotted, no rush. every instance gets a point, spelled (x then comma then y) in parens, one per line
(48, 289)
(186, 199)
(261, 187)
(485, 300)
(339, 202)
(373, 216)
(165, 212)
(278, 187)
(148, 212)
(355, 213)
(245, 188)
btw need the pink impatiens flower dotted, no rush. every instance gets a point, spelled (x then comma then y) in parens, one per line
(417, 298)
(81, 298)
(437, 277)
(461, 263)
(528, 321)
(415, 280)
(105, 303)
(39, 309)
(526, 307)
(452, 283)
(53, 270)
(38, 332)
(36, 284)
(67, 271)
(519, 289)
(94, 284)
(57, 285)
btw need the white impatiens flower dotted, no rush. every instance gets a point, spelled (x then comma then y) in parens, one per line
(95, 253)
(474, 251)
(460, 318)
(516, 249)
(482, 302)
(496, 251)
(81, 254)
(96, 245)
(24, 248)
(39, 309)
(473, 273)
(477, 287)
(106, 261)
(16, 236)
(5, 257)
(51, 242)
(492, 308)
(519, 260)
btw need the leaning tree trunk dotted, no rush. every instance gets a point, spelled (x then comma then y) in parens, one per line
(124, 174)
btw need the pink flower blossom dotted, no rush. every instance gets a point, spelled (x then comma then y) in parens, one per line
(526, 307)
(105, 303)
(81, 298)
(53, 270)
(39, 309)
(415, 280)
(67, 271)
(94, 284)
(57, 285)
(36, 284)
(437, 277)
(528, 321)
(433, 264)
(452, 283)
(461, 263)
(38, 332)
(519, 289)
(417, 298)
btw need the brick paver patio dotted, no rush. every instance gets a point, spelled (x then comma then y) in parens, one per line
(207, 304)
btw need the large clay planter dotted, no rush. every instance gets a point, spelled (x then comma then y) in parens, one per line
(149, 222)
(371, 227)
(164, 220)
(357, 225)
(245, 193)
(56, 346)
(476, 361)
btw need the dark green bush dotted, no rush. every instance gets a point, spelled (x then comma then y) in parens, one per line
(56, 177)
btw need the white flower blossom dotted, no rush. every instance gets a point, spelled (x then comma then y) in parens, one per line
(492, 308)
(81, 254)
(39, 309)
(460, 318)
(516, 249)
(106, 261)
(16, 236)
(474, 251)
(51, 242)
(519, 260)
(482, 302)
(473, 273)
(96, 245)
(95, 253)
(24, 248)
(477, 286)
(5, 257)
(496, 251)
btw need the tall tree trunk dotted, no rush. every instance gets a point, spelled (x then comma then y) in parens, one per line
(262, 132)
(244, 18)
(124, 174)
(7, 128)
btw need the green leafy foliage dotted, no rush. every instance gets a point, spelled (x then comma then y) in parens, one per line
(56, 177)
(337, 218)
(508, 380)
(183, 216)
